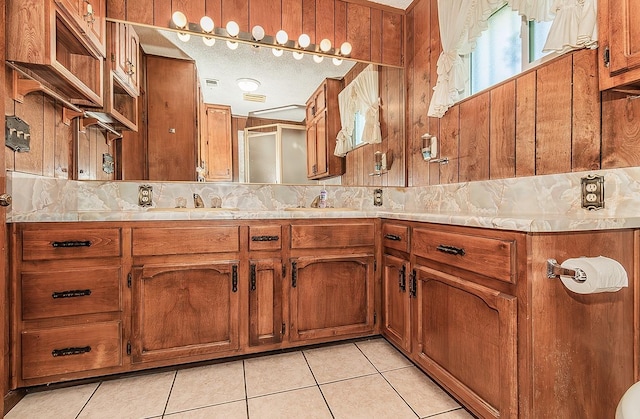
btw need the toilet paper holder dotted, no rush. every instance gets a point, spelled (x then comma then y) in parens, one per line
(554, 270)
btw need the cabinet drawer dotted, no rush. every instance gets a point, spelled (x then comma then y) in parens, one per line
(489, 256)
(70, 349)
(71, 244)
(395, 237)
(265, 237)
(185, 240)
(68, 293)
(331, 235)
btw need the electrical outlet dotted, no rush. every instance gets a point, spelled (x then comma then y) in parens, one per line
(377, 197)
(593, 192)
(145, 195)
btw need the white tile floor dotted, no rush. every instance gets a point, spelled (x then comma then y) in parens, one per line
(366, 379)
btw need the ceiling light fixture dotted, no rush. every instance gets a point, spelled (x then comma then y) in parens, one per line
(258, 33)
(282, 37)
(304, 40)
(179, 19)
(281, 108)
(345, 49)
(325, 45)
(248, 85)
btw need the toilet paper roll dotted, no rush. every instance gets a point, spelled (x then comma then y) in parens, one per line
(602, 275)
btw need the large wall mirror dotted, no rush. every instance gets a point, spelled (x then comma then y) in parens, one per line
(283, 84)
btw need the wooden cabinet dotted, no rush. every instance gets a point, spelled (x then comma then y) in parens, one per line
(397, 285)
(215, 144)
(69, 307)
(61, 44)
(266, 326)
(323, 125)
(183, 310)
(185, 292)
(331, 295)
(619, 44)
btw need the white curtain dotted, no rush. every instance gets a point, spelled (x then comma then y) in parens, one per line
(462, 21)
(361, 95)
(574, 26)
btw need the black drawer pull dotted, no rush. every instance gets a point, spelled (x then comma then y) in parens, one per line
(265, 238)
(71, 351)
(392, 237)
(71, 293)
(72, 243)
(402, 279)
(452, 250)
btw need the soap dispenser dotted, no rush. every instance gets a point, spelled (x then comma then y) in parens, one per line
(322, 203)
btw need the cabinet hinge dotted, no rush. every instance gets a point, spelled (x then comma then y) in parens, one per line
(375, 317)
(294, 274)
(375, 265)
(234, 278)
(129, 280)
(284, 271)
(113, 58)
(284, 328)
(606, 56)
(252, 276)
(128, 348)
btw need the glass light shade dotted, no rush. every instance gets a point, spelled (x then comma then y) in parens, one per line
(232, 28)
(232, 45)
(325, 45)
(179, 19)
(282, 37)
(304, 40)
(277, 52)
(258, 33)
(208, 41)
(206, 23)
(184, 37)
(318, 58)
(345, 49)
(337, 61)
(248, 85)
(297, 55)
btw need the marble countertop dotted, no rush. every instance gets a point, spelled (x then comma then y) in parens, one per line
(515, 222)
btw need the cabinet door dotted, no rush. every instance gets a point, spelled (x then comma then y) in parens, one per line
(312, 166)
(184, 310)
(620, 33)
(395, 301)
(265, 301)
(466, 340)
(321, 145)
(331, 296)
(133, 56)
(89, 16)
(218, 143)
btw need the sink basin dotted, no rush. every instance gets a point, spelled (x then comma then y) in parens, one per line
(192, 209)
(319, 209)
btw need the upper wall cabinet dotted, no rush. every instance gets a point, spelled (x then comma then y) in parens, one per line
(61, 43)
(619, 43)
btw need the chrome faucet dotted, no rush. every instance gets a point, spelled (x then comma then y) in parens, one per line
(197, 201)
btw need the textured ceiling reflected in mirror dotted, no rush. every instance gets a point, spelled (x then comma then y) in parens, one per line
(284, 82)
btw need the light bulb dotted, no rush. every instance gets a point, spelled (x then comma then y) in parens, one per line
(206, 23)
(184, 37)
(345, 49)
(297, 55)
(318, 58)
(304, 40)
(325, 45)
(179, 19)
(337, 61)
(233, 29)
(232, 45)
(208, 41)
(257, 32)
(277, 52)
(282, 37)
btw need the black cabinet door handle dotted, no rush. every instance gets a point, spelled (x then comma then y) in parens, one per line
(265, 238)
(392, 237)
(71, 294)
(70, 351)
(72, 243)
(452, 250)
(252, 275)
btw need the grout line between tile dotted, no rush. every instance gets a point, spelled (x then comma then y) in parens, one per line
(89, 399)
(246, 395)
(166, 404)
(318, 384)
(435, 415)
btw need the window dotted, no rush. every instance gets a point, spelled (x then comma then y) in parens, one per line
(509, 45)
(358, 129)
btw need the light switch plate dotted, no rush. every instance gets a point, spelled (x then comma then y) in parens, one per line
(593, 192)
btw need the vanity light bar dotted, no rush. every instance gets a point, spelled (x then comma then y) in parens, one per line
(231, 33)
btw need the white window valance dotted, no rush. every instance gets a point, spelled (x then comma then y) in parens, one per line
(360, 96)
(462, 22)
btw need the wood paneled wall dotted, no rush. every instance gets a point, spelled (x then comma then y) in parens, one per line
(374, 31)
(549, 120)
(360, 162)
